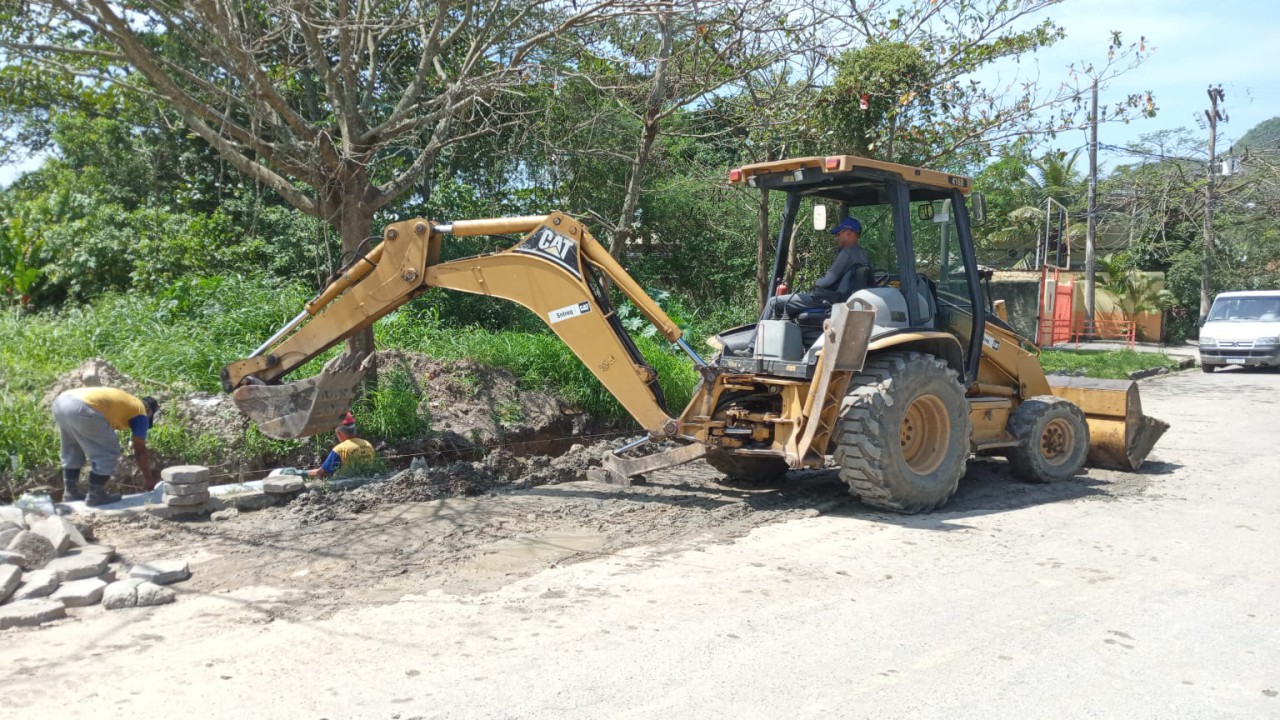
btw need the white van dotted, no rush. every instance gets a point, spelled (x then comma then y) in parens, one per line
(1243, 328)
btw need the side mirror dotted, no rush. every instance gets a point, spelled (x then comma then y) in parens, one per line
(979, 203)
(819, 217)
(924, 211)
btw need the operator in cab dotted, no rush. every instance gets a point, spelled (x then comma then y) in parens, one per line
(350, 449)
(87, 420)
(836, 285)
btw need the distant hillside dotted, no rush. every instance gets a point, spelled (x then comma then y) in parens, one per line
(1265, 134)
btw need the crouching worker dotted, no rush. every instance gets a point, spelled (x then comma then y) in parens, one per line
(350, 449)
(87, 420)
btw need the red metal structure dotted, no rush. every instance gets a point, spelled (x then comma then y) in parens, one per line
(1057, 287)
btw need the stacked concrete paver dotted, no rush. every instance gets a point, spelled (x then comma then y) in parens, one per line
(186, 488)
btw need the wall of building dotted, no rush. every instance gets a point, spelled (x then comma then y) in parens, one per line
(1020, 290)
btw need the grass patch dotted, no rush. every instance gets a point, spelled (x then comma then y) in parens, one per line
(1113, 364)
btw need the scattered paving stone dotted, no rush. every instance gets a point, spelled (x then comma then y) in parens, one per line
(13, 515)
(8, 557)
(185, 474)
(161, 572)
(78, 566)
(95, 549)
(252, 500)
(35, 549)
(134, 592)
(30, 613)
(283, 485)
(9, 577)
(80, 593)
(36, 584)
(199, 498)
(55, 530)
(8, 533)
(227, 514)
(150, 594)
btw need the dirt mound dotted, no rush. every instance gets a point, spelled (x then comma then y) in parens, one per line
(471, 405)
(94, 372)
(500, 471)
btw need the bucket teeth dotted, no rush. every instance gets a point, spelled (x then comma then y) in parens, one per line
(307, 407)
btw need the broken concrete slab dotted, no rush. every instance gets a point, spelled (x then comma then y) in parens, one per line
(161, 572)
(29, 613)
(283, 485)
(7, 534)
(35, 549)
(80, 593)
(189, 489)
(36, 584)
(135, 592)
(185, 474)
(78, 566)
(199, 498)
(10, 576)
(57, 530)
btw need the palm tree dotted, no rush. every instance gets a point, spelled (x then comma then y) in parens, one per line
(1134, 291)
(1055, 176)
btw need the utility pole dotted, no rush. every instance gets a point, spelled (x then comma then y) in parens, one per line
(1091, 236)
(1214, 115)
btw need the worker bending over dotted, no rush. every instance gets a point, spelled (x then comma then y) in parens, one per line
(350, 448)
(87, 420)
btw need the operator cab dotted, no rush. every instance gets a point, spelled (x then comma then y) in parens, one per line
(922, 274)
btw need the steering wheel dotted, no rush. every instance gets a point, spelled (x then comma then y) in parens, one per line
(881, 279)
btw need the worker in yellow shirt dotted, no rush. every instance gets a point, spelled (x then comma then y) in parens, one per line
(87, 420)
(350, 448)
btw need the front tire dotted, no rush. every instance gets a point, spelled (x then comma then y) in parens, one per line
(904, 433)
(1206, 368)
(1053, 439)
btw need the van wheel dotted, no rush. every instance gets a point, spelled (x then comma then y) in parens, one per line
(904, 433)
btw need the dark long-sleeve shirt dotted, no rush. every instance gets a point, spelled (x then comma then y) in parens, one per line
(845, 260)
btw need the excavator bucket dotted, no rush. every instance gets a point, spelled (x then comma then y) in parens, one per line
(1120, 436)
(306, 407)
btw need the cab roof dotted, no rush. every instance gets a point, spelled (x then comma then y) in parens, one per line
(848, 178)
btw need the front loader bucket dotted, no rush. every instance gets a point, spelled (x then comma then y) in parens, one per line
(306, 407)
(1120, 436)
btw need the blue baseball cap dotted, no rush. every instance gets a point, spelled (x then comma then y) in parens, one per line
(847, 224)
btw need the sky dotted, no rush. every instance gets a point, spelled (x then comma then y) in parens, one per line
(1235, 43)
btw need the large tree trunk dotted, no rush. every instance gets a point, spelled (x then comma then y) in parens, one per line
(354, 223)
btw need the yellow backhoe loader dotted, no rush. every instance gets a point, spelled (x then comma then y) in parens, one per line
(900, 383)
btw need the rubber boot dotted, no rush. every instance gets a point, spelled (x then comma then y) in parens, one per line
(70, 485)
(98, 494)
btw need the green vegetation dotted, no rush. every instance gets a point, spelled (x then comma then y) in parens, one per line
(1114, 364)
(177, 342)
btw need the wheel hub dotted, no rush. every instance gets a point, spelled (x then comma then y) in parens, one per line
(925, 434)
(1057, 440)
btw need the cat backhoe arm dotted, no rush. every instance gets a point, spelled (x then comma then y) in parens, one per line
(553, 271)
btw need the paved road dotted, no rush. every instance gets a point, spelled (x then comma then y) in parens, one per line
(1147, 596)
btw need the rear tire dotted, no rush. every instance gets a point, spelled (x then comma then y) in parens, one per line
(1053, 439)
(748, 468)
(904, 433)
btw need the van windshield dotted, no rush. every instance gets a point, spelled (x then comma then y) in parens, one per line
(1240, 309)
